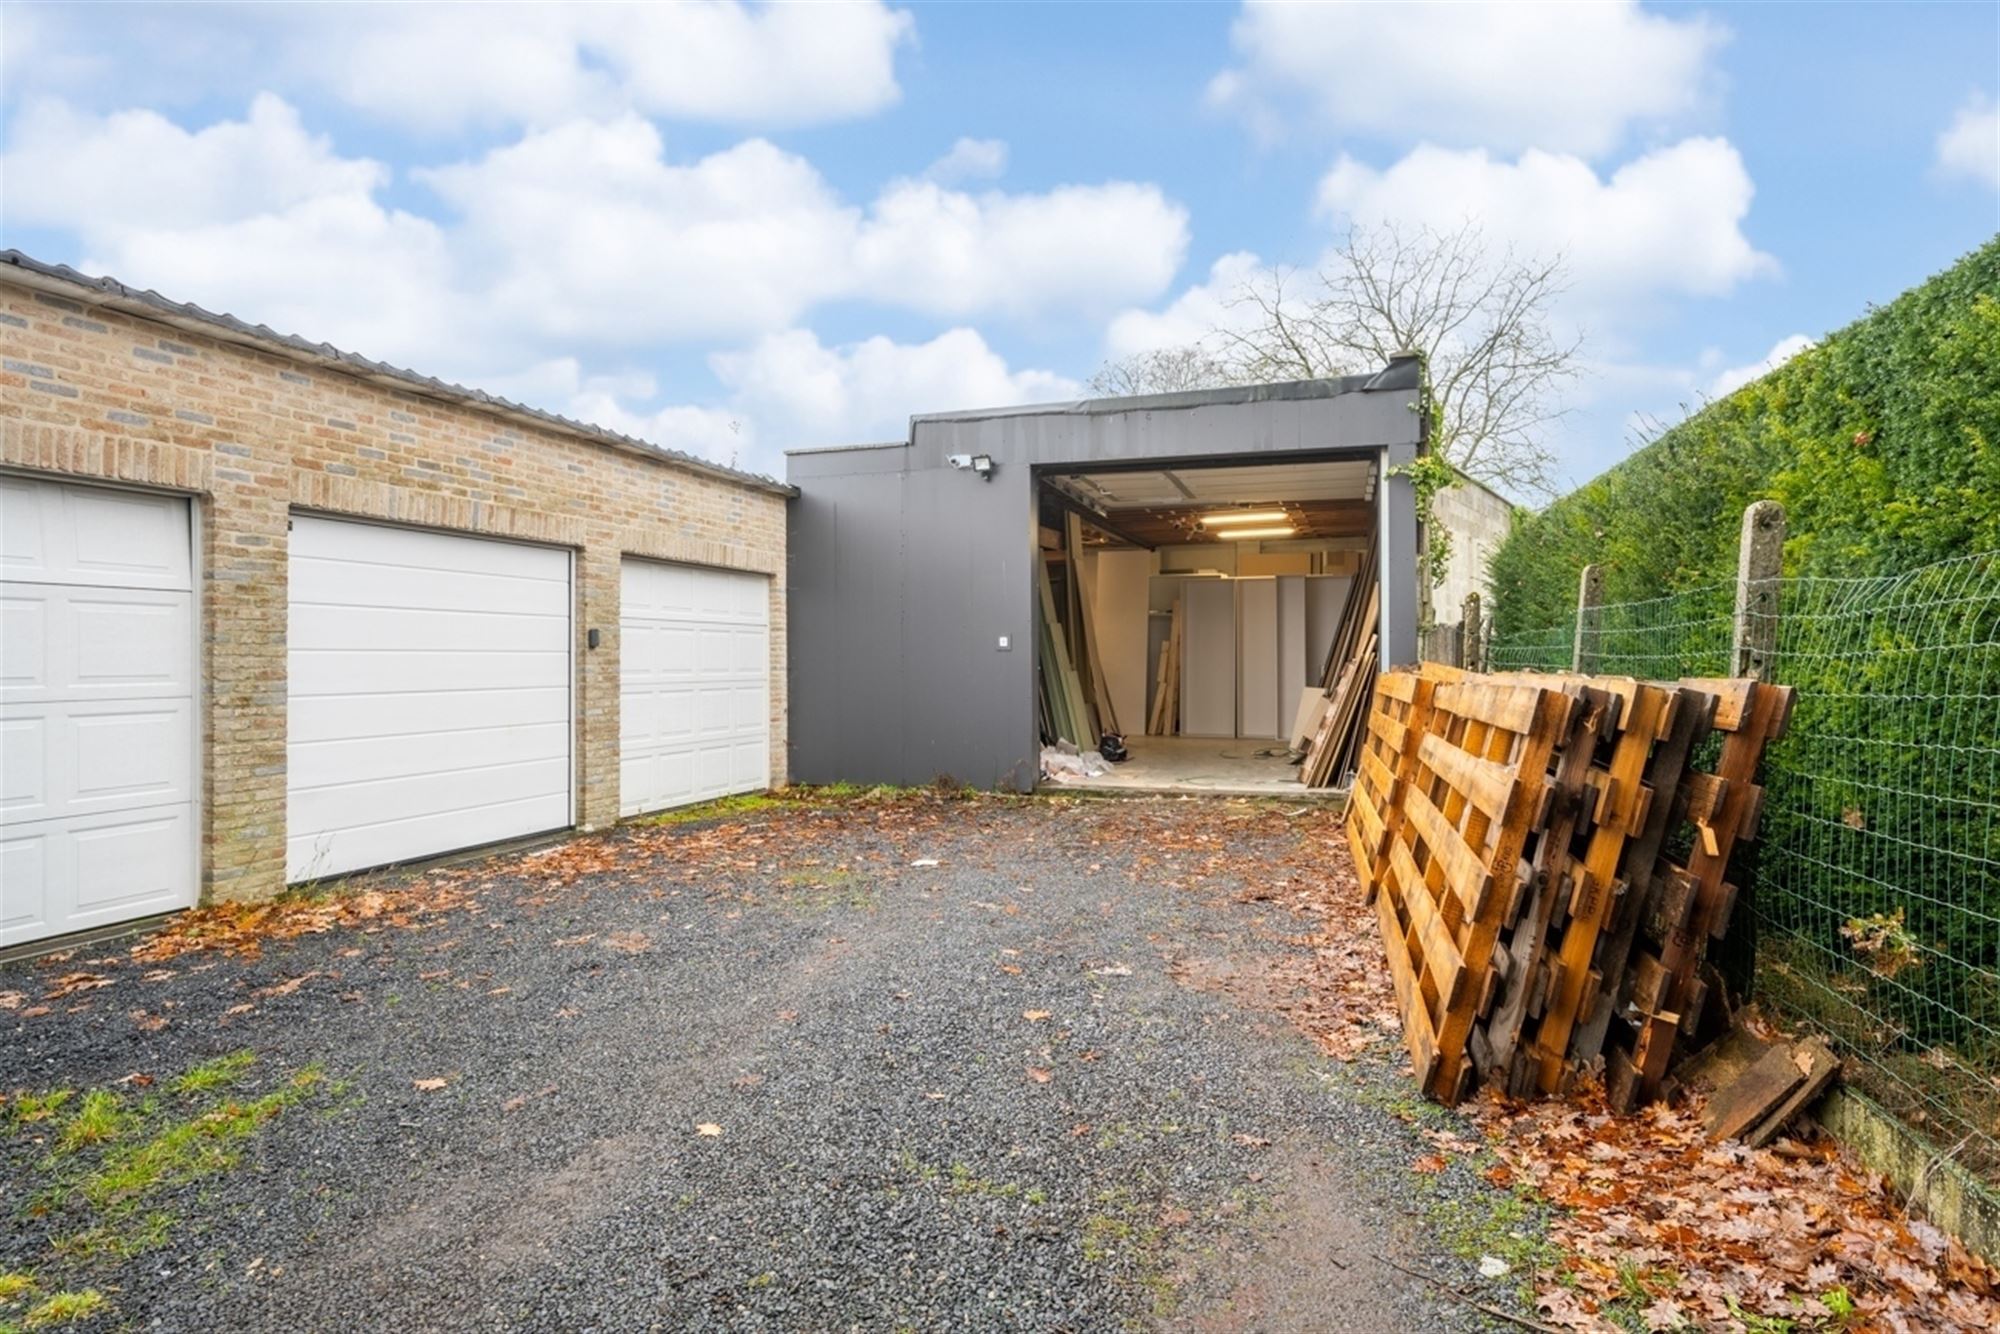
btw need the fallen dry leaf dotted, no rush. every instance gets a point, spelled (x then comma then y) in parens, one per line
(69, 984)
(429, 1085)
(1040, 1075)
(1430, 1163)
(12, 1000)
(708, 1128)
(520, 1100)
(628, 942)
(1034, 1016)
(1251, 1141)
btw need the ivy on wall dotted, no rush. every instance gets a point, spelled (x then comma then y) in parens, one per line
(1882, 443)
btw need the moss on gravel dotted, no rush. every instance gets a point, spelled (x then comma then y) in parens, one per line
(104, 1166)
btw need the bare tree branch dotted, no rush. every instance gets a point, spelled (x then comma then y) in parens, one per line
(1480, 319)
(1167, 370)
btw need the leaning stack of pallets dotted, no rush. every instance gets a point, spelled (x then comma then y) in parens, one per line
(1548, 863)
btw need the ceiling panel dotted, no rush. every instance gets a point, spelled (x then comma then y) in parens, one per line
(1231, 485)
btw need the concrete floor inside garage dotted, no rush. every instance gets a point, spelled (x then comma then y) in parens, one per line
(1204, 766)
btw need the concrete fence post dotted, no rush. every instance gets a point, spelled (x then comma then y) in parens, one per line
(1753, 640)
(1471, 645)
(1589, 597)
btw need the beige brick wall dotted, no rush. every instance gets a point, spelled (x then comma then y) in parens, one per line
(90, 392)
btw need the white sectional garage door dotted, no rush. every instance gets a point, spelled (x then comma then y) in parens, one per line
(695, 697)
(97, 725)
(429, 694)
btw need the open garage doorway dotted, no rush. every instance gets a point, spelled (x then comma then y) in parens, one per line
(1204, 618)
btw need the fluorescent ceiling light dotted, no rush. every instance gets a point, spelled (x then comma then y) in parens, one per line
(1228, 517)
(1237, 534)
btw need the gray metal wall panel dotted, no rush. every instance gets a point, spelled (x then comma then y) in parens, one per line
(904, 571)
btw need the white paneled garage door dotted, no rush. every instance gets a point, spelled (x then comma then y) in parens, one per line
(695, 693)
(429, 694)
(97, 725)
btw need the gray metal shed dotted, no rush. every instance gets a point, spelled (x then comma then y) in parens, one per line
(912, 581)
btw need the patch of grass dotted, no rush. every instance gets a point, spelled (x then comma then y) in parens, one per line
(100, 1118)
(186, 1150)
(114, 1151)
(1104, 1236)
(216, 1073)
(964, 1182)
(113, 1243)
(27, 1108)
(748, 803)
(823, 889)
(1505, 1225)
(64, 1308)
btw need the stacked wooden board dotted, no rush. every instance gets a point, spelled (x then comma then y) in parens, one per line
(1065, 709)
(1548, 866)
(1165, 718)
(1346, 682)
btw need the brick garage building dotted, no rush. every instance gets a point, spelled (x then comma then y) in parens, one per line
(274, 612)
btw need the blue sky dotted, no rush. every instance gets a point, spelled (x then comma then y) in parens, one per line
(736, 230)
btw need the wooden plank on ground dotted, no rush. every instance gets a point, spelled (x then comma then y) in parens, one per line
(1821, 1068)
(1753, 1095)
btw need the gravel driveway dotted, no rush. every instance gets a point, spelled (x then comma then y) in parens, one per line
(858, 1062)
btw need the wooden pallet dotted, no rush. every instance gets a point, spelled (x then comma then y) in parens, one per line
(1399, 717)
(1690, 905)
(1548, 867)
(1528, 978)
(1476, 793)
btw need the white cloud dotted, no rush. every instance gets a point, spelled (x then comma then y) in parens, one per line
(1665, 224)
(1190, 318)
(1086, 247)
(254, 217)
(137, 169)
(622, 401)
(1733, 378)
(590, 234)
(582, 234)
(970, 160)
(1970, 145)
(598, 236)
(443, 68)
(1670, 221)
(1570, 77)
(803, 392)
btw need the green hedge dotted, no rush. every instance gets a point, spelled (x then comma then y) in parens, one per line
(1882, 443)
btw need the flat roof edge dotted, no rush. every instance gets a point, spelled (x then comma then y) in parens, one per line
(845, 449)
(1403, 373)
(27, 271)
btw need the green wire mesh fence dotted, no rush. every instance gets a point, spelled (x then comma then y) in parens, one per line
(1544, 650)
(1876, 873)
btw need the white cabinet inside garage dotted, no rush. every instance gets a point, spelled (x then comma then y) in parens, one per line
(429, 697)
(97, 718)
(695, 684)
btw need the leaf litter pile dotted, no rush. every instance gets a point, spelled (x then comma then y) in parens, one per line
(1660, 1229)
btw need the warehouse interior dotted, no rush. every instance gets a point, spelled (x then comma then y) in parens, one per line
(1196, 609)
